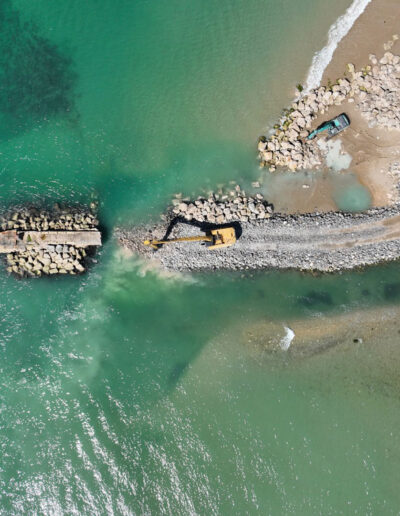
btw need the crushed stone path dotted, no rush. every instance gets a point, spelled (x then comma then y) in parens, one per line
(321, 242)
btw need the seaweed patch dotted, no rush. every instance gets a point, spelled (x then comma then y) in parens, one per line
(37, 80)
(391, 291)
(314, 298)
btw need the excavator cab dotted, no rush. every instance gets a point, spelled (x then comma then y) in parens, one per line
(223, 237)
(216, 238)
(334, 127)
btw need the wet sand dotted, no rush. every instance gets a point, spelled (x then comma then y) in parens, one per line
(376, 25)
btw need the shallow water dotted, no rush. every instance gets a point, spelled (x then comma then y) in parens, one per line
(349, 195)
(131, 392)
(316, 190)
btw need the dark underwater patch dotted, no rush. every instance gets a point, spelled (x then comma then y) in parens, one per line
(391, 291)
(37, 80)
(176, 373)
(314, 298)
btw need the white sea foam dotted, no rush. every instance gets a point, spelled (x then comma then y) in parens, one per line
(287, 339)
(336, 33)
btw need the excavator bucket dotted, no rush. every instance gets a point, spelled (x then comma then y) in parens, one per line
(223, 237)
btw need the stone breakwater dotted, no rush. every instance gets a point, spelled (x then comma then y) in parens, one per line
(315, 242)
(57, 219)
(51, 259)
(374, 91)
(220, 208)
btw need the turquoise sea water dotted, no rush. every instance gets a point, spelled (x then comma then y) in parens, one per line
(124, 392)
(350, 195)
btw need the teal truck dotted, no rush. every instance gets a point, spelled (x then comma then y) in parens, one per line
(334, 127)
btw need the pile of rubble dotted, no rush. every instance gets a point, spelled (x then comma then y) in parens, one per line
(288, 146)
(379, 98)
(223, 208)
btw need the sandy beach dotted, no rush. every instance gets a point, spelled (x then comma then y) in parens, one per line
(375, 27)
(361, 80)
(372, 149)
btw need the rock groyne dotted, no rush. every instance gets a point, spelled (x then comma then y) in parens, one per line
(223, 207)
(316, 242)
(35, 259)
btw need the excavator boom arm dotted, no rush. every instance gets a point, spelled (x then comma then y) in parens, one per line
(222, 237)
(202, 238)
(324, 127)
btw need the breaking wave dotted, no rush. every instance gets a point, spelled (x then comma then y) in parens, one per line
(336, 33)
(287, 339)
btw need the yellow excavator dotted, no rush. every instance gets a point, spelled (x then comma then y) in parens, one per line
(222, 237)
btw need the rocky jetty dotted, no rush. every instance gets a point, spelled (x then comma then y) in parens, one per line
(374, 91)
(325, 242)
(51, 259)
(57, 219)
(221, 208)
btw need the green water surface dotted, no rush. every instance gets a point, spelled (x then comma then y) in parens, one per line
(126, 392)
